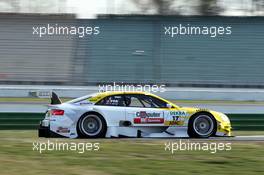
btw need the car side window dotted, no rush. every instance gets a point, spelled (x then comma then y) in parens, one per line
(133, 101)
(144, 101)
(157, 102)
(114, 100)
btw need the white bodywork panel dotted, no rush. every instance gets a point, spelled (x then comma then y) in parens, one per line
(147, 132)
(151, 126)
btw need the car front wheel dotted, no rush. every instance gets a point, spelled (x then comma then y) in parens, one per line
(202, 126)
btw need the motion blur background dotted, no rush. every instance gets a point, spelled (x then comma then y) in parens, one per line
(132, 46)
(224, 73)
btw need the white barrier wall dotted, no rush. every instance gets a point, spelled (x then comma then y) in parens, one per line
(177, 93)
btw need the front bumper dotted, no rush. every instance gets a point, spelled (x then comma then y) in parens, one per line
(224, 129)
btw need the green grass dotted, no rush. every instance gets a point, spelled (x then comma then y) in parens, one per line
(125, 156)
(247, 133)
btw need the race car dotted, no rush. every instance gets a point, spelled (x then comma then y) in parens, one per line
(129, 114)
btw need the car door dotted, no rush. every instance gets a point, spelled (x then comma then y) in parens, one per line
(112, 108)
(141, 112)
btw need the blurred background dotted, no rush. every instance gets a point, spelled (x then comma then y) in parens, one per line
(223, 73)
(132, 47)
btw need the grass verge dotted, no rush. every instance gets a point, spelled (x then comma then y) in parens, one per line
(125, 156)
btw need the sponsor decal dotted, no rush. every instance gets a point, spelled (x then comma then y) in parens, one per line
(178, 113)
(148, 120)
(202, 110)
(176, 118)
(143, 117)
(144, 114)
(86, 103)
(174, 122)
(63, 130)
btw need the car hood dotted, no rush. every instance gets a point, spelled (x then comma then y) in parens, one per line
(192, 110)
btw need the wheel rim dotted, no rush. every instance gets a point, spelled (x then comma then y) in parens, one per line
(91, 125)
(203, 125)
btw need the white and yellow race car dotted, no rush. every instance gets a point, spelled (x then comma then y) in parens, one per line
(129, 114)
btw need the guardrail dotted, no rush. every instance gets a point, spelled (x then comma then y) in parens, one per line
(20, 121)
(253, 122)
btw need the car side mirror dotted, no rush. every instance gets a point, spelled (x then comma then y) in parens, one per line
(168, 105)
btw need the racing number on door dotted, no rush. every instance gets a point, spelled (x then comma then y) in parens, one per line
(176, 118)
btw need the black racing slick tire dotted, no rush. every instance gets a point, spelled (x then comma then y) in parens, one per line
(92, 125)
(202, 125)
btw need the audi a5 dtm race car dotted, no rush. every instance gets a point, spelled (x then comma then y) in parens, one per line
(129, 114)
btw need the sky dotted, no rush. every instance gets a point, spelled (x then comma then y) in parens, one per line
(91, 8)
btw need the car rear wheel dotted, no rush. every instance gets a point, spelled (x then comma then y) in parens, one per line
(202, 126)
(92, 126)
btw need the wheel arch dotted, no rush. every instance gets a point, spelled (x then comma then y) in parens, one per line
(91, 112)
(201, 112)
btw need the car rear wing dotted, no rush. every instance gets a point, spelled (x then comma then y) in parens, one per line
(55, 100)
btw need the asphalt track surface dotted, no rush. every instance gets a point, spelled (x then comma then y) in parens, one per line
(225, 108)
(23, 107)
(233, 138)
